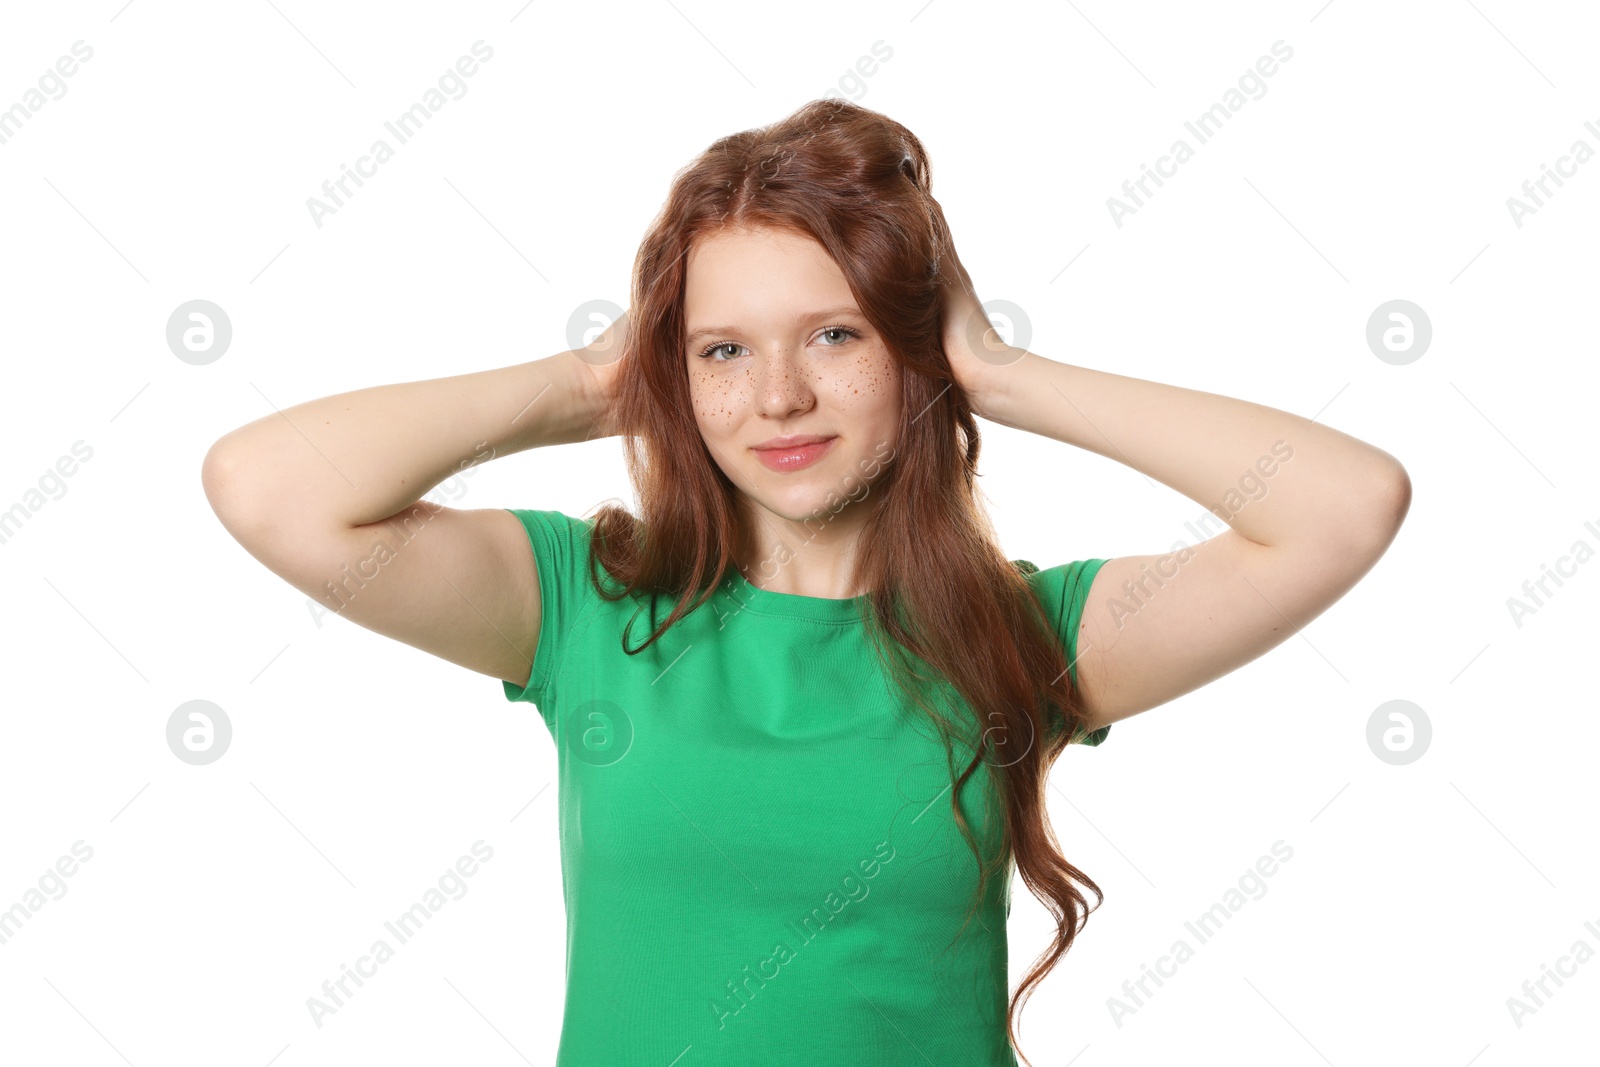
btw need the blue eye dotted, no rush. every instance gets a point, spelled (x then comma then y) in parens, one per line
(846, 330)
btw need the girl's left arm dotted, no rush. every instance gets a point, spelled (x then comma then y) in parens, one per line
(1309, 510)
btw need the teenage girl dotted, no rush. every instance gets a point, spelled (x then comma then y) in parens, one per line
(803, 705)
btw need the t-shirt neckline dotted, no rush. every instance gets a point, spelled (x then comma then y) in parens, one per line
(769, 602)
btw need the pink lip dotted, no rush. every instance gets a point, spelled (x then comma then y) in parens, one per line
(793, 459)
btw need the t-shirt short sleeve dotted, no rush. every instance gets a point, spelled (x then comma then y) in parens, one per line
(560, 546)
(1063, 591)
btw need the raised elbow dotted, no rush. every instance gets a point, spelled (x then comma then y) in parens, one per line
(217, 474)
(230, 487)
(1386, 499)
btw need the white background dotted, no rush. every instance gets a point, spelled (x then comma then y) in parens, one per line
(1376, 166)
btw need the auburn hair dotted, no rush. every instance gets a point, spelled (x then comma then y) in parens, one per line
(857, 182)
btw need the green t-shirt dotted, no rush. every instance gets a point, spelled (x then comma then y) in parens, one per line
(759, 862)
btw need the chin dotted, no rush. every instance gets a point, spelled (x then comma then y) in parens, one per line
(796, 507)
(792, 500)
(818, 501)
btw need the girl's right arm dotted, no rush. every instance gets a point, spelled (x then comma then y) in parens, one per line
(328, 495)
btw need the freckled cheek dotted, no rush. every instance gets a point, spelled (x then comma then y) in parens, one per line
(868, 386)
(719, 399)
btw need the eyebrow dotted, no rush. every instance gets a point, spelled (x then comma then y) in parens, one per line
(807, 316)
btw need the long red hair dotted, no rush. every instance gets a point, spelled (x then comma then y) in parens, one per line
(857, 182)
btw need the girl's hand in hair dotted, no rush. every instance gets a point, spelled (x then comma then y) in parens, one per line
(978, 356)
(602, 358)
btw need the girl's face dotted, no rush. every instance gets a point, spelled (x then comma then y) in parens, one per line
(776, 347)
